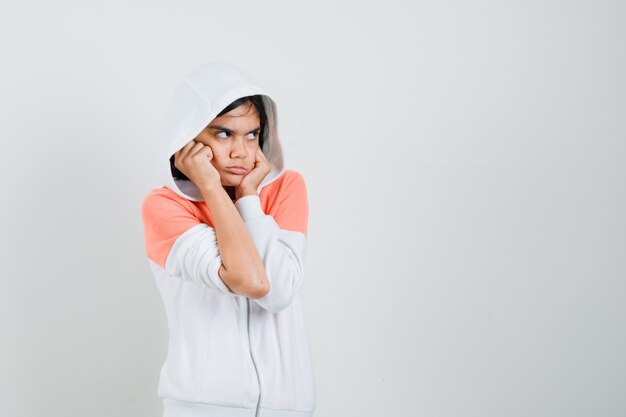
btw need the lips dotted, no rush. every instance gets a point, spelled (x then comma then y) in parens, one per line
(238, 170)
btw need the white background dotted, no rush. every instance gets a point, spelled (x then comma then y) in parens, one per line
(465, 163)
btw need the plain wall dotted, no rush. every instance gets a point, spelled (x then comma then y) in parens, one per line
(465, 163)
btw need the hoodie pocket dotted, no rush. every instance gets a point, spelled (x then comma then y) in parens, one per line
(207, 359)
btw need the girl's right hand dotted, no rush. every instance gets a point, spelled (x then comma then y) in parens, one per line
(194, 160)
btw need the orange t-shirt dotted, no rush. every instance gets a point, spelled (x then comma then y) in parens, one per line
(167, 215)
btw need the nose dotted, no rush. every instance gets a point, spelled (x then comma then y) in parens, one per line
(238, 150)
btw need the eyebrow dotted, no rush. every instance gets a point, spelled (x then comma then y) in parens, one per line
(217, 127)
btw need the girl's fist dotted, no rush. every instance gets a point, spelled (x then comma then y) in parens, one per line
(251, 181)
(194, 160)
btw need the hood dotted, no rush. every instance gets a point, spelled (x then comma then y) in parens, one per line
(202, 93)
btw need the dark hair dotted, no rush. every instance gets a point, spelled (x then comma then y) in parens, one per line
(257, 102)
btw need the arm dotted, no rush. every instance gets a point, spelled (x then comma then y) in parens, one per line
(177, 240)
(241, 267)
(280, 240)
(224, 256)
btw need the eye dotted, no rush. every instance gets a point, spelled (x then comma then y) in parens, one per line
(224, 132)
(253, 135)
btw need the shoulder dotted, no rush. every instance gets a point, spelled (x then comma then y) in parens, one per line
(292, 188)
(292, 179)
(163, 200)
(287, 181)
(293, 209)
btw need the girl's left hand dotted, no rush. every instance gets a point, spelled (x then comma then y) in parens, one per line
(251, 181)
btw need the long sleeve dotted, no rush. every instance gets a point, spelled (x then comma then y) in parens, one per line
(179, 242)
(280, 240)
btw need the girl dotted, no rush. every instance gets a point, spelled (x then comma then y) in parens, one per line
(225, 238)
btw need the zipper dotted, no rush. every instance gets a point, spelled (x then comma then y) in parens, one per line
(256, 371)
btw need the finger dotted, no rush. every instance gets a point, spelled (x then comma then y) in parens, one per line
(260, 155)
(207, 151)
(264, 161)
(182, 152)
(196, 148)
(267, 167)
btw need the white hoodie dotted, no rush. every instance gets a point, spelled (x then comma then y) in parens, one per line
(228, 355)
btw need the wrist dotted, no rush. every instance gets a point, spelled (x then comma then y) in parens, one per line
(242, 192)
(210, 189)
(250, 207)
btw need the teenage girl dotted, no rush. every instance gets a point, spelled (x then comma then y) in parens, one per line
(226, 236)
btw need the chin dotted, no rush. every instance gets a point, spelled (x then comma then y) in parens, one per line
(231, 180)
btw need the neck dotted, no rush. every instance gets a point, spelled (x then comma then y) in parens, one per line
(230, 190)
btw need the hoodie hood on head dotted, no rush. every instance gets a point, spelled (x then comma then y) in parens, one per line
(203, 92)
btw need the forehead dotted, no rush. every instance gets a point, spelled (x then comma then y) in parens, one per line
(243, 114)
